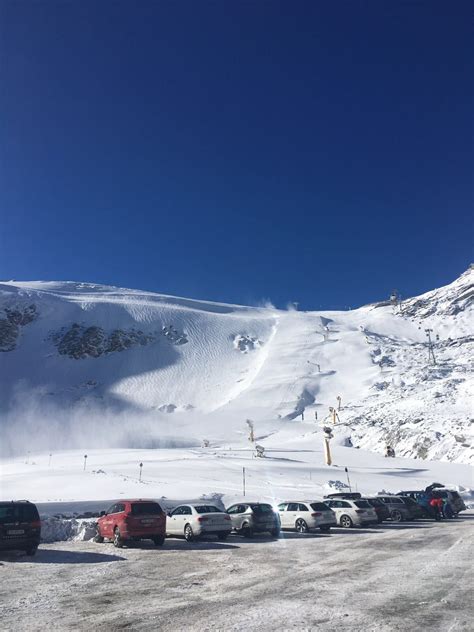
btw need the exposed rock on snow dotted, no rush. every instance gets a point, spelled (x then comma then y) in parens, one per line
(245, 343)
(79, 341)
(14, 318)
(174, 336)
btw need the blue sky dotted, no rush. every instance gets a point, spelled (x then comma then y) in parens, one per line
(318, 152)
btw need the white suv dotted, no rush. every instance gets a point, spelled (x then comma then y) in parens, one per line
(350, 513)
(306, 515)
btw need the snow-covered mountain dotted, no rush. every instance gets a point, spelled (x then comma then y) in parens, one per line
(90, 365)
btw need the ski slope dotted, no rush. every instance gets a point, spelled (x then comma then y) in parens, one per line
(86, 368)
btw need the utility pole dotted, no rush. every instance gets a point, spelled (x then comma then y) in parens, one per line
(431, 355)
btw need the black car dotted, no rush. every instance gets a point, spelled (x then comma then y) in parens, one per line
(20, 526)
(381, 509)
(416, 510)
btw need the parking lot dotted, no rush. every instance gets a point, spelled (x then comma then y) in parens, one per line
(408, 576)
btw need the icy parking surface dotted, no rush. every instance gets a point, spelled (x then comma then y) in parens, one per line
(397, 577)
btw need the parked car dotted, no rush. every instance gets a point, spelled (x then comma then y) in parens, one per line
(345, 495)
(352, 513)
(380, 509)
(453, 498)
(422, 498)
(20, 526)
(307, 515)
(130, 520)
(194, 521)
(416, 510)
(399, 511)
(250, 518)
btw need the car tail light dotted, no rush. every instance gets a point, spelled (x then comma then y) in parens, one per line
(316, 514)
(226, 517)
(36, 524)
(359, 511)
(202, 518)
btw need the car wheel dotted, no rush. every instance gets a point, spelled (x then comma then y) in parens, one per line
(275, 533)
(247, 531)
(325, 529)
(301, 526)
(159, 540)
(346, 522)
(396, 515)
(189, 533)
(118, 541)
(31, 551)
(222, 536)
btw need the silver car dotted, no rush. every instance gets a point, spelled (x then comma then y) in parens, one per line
(352, 513)
(306, 515)
(194, 521)
(250, 518)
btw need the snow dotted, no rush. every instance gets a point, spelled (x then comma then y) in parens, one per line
(154, 375)
(390, 578)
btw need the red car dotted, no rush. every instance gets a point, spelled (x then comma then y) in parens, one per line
(132, 520)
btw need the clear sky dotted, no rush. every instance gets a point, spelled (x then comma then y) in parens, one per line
(316, 151)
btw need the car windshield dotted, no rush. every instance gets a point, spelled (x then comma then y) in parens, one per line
(142, 509)
(17, 513)
(362, 504)
(441, 494)
(207, 509)
(262, 508)
(319, 507)
(375, 502)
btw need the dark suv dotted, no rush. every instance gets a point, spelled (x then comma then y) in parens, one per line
(20, 526)
(381, 509)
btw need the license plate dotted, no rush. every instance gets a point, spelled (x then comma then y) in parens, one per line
(16, 532)
(149, 521)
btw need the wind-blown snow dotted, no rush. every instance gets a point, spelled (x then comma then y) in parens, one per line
(146, 370)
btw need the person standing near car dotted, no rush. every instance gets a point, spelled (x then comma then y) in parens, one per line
(434, 504)
(447, 510)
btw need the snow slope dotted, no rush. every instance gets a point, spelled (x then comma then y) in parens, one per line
(85, 366)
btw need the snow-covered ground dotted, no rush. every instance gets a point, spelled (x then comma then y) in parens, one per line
(292, 468)
(395, 577)
(126, 377)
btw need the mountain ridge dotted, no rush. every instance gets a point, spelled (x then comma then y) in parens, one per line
(186, 368)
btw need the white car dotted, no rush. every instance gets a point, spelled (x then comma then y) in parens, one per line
(193, 521)
(306, 515)
(352, 513)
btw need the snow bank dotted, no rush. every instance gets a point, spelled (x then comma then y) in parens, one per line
(61, 529)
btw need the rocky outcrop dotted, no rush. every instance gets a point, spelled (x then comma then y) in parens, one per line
(11, 321)
(79, 342)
